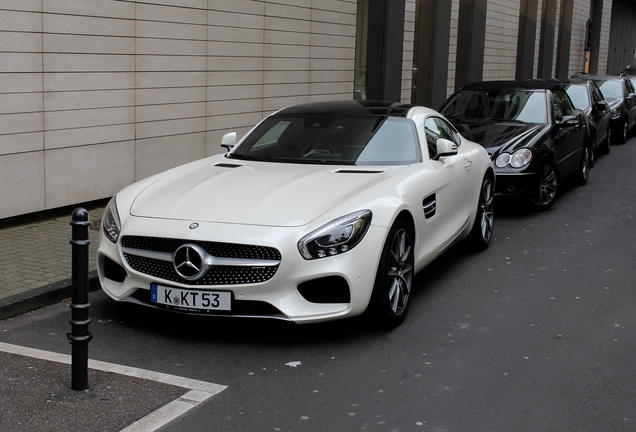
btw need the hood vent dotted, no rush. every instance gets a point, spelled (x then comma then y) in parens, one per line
(345, 171)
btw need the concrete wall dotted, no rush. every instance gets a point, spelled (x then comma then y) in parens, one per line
(96, 94)
(605, 34)
(409, 41)
(500, 49)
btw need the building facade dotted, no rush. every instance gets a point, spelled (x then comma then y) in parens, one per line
(97, 94)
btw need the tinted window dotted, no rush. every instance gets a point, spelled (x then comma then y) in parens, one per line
(522, 105)
(579, 96)
(562, 104)
(596, 93)
(332, 139)
(611, 89)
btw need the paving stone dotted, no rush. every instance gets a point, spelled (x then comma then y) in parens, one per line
(39, 253)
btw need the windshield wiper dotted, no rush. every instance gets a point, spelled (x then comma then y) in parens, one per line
(242, 157)
(504, 120)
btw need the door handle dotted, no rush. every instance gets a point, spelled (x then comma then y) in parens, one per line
(468, 164)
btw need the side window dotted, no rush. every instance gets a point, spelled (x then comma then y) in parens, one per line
(596, 94)
(435, 129)
(630, 87)
(561, 105)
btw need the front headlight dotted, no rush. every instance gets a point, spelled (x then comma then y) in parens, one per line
(336, 237)
(110, 221)
(502, 160)
(521, 158)
(518, 159)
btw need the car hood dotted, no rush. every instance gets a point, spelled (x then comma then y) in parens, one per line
(494, 136)
(253, 193)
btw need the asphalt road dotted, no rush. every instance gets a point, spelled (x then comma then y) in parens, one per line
(534, 334)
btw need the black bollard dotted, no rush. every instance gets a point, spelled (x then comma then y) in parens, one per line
(79, 336)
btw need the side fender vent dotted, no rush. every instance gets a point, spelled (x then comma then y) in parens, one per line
(227, 165)
(430, 206)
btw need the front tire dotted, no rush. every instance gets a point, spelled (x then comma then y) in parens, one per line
(608, 143)
(391, 295)
(622, 138)
(584, 171)
(548, 188)
(481, 233)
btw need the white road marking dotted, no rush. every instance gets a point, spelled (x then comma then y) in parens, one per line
(199, 390)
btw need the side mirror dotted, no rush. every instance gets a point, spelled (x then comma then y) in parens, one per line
(632, 96)
(229, 140)
(568, 121)
(445, 148)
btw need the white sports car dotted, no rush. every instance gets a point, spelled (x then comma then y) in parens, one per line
(322, 211)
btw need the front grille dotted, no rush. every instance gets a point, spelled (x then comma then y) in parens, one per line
(224, 250)
(218, 275)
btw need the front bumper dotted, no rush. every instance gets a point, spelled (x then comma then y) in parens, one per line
(521, 185)
(278, 297)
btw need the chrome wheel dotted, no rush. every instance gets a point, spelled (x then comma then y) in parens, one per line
(548, 188)
(400, 272)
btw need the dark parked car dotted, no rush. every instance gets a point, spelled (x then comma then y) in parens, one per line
(531, 130)
(587, 97)
(619, 92)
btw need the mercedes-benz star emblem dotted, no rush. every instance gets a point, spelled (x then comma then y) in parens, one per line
(188, 261)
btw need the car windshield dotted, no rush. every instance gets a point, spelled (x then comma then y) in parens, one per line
(526, 106)
(335, 139)
(579, 96)
(611, 89)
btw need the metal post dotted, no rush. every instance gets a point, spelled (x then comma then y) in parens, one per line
(79, 336)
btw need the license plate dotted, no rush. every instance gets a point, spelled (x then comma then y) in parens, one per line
(191, 300)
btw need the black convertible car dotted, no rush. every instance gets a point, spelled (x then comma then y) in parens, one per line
(531, 130)
(586, 96)
(620, 93)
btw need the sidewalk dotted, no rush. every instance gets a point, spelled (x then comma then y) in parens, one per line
(35, 261)
(35, 389)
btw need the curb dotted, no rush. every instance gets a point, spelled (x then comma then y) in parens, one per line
(47, 295)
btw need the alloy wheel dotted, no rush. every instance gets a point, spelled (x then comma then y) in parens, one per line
(486, 206)
(548, 186)
(585, 166)
(400, 272)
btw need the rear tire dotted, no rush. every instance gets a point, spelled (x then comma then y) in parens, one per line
(391, 295)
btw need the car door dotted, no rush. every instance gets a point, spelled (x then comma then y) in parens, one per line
(630, 103)
(453, 201)
(567, 139)
(601, 113)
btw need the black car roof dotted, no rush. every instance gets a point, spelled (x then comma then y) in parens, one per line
(607, 77)
(357, 107)
(514, 85)
(577, 81)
